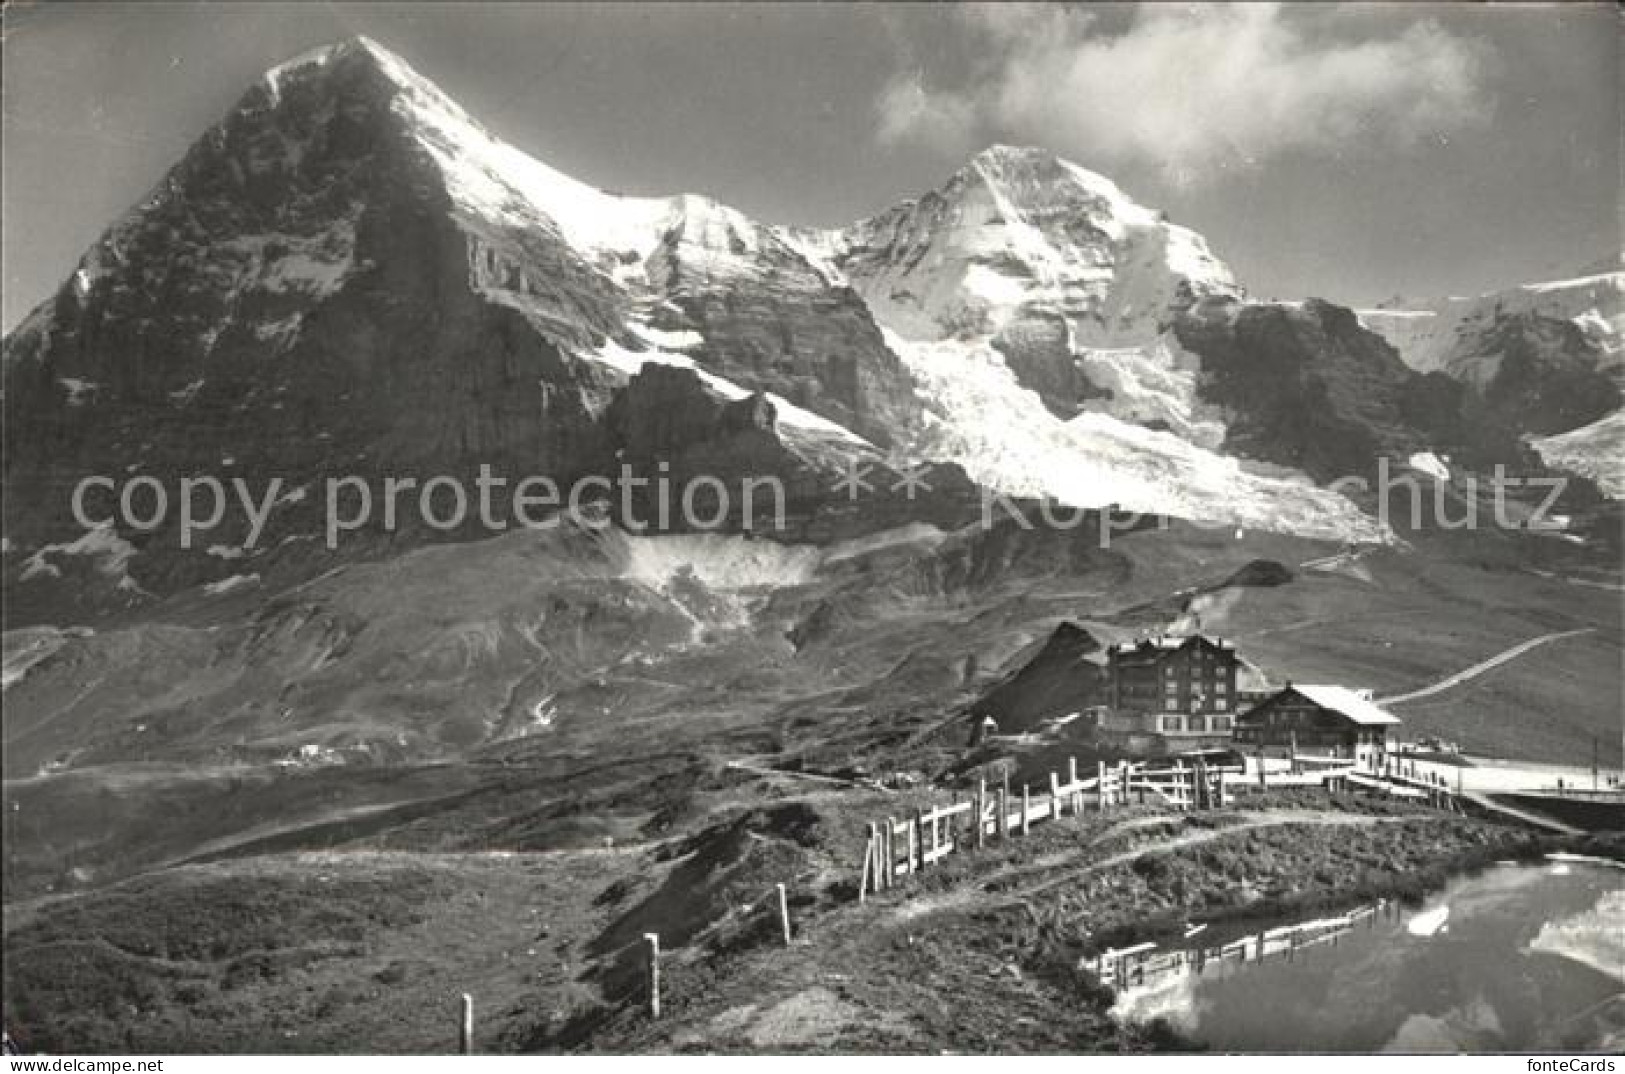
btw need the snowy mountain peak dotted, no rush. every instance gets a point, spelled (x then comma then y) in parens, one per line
(1035, 180)
(325, 57)
(1020, 230)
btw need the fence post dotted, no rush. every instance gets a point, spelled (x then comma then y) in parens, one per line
(1004, 813)
(919, 839)
(653, 941)
(1025, 797)
(1100, 784)
(912, 827)
(981, 813)
(882, 860)
(465, 1026)
(879, 857)
(890, 840)
(1222, 802)
(1054, 796)
(784, 913)
(869, 869)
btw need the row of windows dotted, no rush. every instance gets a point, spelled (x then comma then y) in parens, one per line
(1195, 723)
(1210, 673)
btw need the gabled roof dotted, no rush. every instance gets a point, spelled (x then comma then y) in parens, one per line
(1163, 645)
(1346, 702)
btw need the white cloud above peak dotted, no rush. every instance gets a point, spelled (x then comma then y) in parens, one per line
(1191, 88)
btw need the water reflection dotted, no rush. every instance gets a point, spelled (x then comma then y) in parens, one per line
(1516, 957)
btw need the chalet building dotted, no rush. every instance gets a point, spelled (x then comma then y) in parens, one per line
(1319, 721)
(1172, 693)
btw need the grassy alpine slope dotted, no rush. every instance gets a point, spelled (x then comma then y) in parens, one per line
(527, 746)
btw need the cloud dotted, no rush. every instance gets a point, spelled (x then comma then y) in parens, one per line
(908, 112)
(1193, 88)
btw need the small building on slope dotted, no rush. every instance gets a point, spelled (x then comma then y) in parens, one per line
(1319, 721)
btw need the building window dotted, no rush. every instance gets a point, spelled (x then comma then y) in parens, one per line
(1220, 705)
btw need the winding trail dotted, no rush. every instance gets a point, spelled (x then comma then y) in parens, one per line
(1480, 668)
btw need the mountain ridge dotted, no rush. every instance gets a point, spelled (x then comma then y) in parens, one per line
(350, 275)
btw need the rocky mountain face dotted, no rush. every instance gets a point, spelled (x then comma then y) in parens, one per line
(1307, 387)
(350, 276)
(1531, 361)
(1464, 337)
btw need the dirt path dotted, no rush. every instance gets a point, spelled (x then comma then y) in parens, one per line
(977, 892)
(1613, 587)
(1478, 669)
(763, 770)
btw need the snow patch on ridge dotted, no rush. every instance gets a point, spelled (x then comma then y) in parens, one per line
(1595, 451)
(231, 584)
(787, 413)
(281, 263)
(719, 562)
(1428, 463)
(111, 553)
(915, 534)
(79, 391)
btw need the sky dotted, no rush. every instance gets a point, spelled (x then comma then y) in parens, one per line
(1349, 151)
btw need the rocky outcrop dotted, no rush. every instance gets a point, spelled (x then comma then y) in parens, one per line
(1536, 360)
(1305, 386)
(764, 316)
(1037, 347)
(745, 471)
(1550, 378)
(1458, 336)
(296, 300)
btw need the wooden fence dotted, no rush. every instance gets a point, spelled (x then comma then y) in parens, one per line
(1127, 967)
(903, 847)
